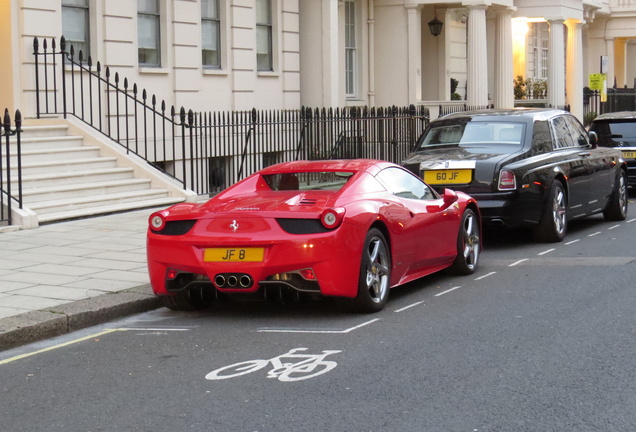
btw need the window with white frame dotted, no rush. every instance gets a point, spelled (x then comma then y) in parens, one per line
(538, 40)
(75, 27)
(210, 34)
(351, 64)
(149, 32)
(264, 30)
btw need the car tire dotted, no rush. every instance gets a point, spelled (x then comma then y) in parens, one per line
(616, 209)
(468, 245)
(375, 274)
(187, 300)
(554, 221)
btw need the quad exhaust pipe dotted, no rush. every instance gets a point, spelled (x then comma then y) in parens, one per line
(233, 280)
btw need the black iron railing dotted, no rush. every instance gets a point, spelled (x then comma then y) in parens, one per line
(10, 166)
(615, 99)
(459, 107)
(208, 151)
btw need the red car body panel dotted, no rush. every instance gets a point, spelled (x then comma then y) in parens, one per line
(422, 234)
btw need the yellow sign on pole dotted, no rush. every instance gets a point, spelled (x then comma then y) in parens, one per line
(597, 81)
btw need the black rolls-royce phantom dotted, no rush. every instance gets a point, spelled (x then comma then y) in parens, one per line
(525, 167)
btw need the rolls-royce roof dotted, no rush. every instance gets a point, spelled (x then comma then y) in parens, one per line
(518, 114)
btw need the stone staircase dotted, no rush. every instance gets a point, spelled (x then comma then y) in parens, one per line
(63, 178)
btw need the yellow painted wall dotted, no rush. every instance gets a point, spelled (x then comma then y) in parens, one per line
(6, 65)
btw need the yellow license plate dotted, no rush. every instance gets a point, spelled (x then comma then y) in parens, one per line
(233, 255)
(629, 155)
(448, 176)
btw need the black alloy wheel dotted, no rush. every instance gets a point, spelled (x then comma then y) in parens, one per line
(616, 209)
(375, 273)
(554, 221)
(468, 245)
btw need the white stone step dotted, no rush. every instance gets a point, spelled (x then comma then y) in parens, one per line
(63, 178)
(96, 210)
(63, 153)
(68, 191)
(56, 178)
(43, 131)
(135, 198)
(29, 168)
(46, 143)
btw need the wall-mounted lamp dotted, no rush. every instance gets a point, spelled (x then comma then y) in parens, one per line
(435, 26)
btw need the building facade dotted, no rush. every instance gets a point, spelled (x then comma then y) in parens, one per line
(283, 54)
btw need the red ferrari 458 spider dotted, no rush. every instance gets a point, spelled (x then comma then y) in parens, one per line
(350, 229)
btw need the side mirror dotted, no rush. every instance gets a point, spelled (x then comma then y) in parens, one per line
(593, 138)
(450, 196)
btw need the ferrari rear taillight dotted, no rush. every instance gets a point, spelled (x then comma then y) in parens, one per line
(332, 218)
(507, 180)
(157, 221)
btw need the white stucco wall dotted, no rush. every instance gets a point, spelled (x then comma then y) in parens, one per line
(391, 51)
(181, 80)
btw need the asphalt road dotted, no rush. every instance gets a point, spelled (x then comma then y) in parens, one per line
(541, 338)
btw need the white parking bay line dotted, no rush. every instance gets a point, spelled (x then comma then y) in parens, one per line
(485, 276)
(572, 242)
(614, 227)
(409, 306)
(349, 330)
(516, 263)
(594, 234)
(545, 252)
(447, 291)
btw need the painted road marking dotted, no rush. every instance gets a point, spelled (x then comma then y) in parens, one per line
(545, 252)
(447, 291)
(349, 330)
(594, 234)
(303, 366)
(516, 263)
(485, 276)
(572, 242)
(409, 306)
(82, 339)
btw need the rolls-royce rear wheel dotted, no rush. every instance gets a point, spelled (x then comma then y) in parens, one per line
(616, 209)
(554, 221)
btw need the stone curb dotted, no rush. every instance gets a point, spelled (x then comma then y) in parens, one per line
(42, 324)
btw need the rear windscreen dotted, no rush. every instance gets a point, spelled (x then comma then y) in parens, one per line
(489, 134)
(330, 180)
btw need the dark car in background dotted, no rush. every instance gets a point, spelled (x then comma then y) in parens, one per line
(525, 167)
(618, 130)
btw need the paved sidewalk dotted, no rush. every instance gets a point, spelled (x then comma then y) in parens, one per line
(67, 275)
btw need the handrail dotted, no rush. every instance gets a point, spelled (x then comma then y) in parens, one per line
(7, 194)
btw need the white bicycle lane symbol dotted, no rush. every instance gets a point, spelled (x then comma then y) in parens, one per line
(302, 366)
